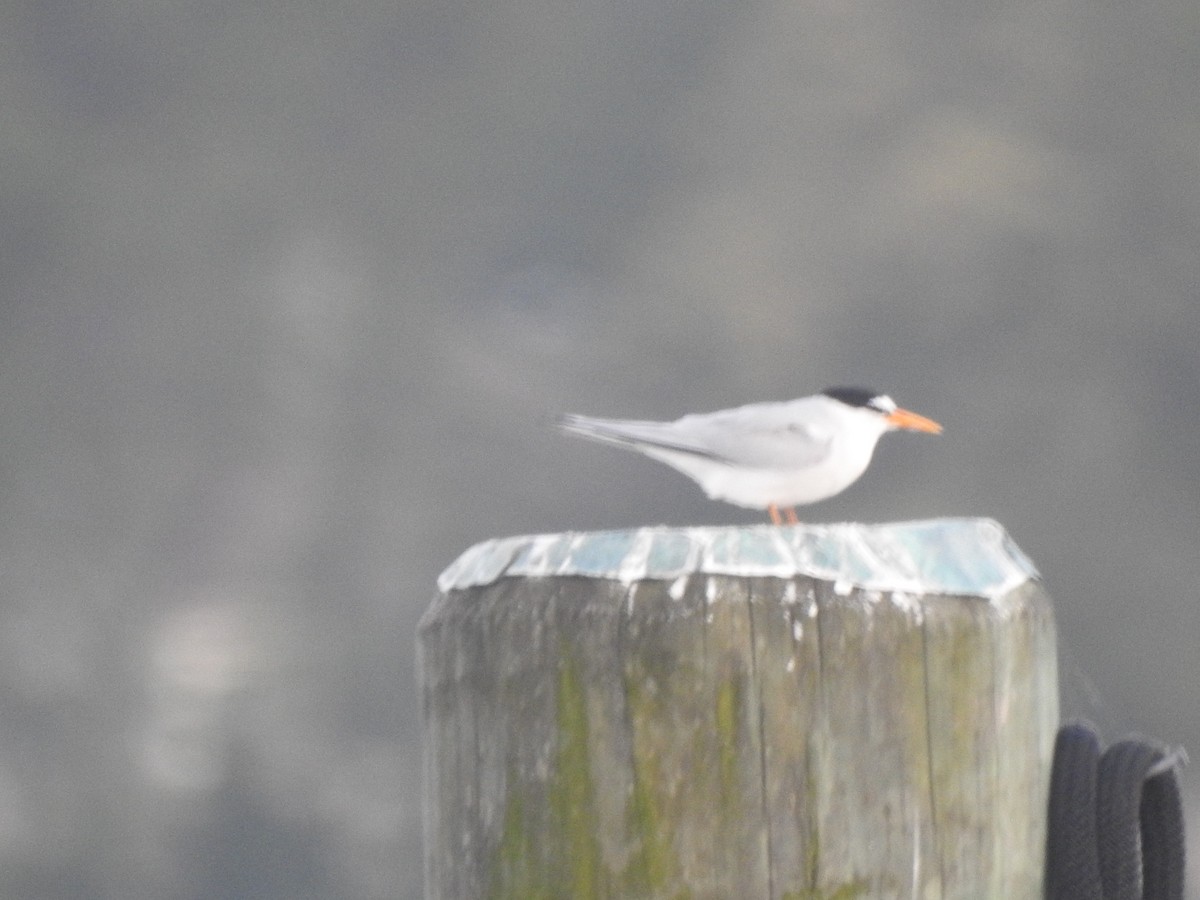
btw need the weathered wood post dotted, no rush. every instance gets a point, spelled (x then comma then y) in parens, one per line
(827, 711)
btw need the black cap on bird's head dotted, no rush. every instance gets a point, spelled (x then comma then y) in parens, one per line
(859, 396)
(865, 398)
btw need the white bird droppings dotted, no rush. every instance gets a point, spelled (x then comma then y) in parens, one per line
(678, 586)
(971, 557)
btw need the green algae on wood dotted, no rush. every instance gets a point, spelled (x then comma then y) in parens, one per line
(571, 796)
(750, 735)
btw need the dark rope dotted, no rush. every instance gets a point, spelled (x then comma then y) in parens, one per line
(1072, 852)
(1115, 823)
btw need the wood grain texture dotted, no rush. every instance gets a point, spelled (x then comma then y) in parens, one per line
(723, 736)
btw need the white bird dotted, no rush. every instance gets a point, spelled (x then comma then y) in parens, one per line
(768, 456)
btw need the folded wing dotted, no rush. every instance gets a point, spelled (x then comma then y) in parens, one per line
(760, 436)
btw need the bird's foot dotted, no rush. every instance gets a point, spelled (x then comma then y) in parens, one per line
(789, 515)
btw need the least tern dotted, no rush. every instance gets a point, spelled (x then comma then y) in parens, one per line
(772, 456)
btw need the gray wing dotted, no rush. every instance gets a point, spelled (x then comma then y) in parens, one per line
(762, 435)
(633, 435)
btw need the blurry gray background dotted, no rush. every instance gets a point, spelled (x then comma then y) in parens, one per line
(291, 294)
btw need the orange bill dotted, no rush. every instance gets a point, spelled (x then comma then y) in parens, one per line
(910, 421)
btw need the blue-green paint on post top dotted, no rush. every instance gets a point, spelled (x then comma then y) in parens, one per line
(969, 557)
(596, 555)
(763, 551)
(670, 550)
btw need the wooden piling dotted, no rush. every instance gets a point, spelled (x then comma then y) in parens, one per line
(830, 711)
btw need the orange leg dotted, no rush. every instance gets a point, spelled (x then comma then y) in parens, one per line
(790, 512)
(774, 512)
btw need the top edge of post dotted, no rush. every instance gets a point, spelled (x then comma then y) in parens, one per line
(961, 556)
